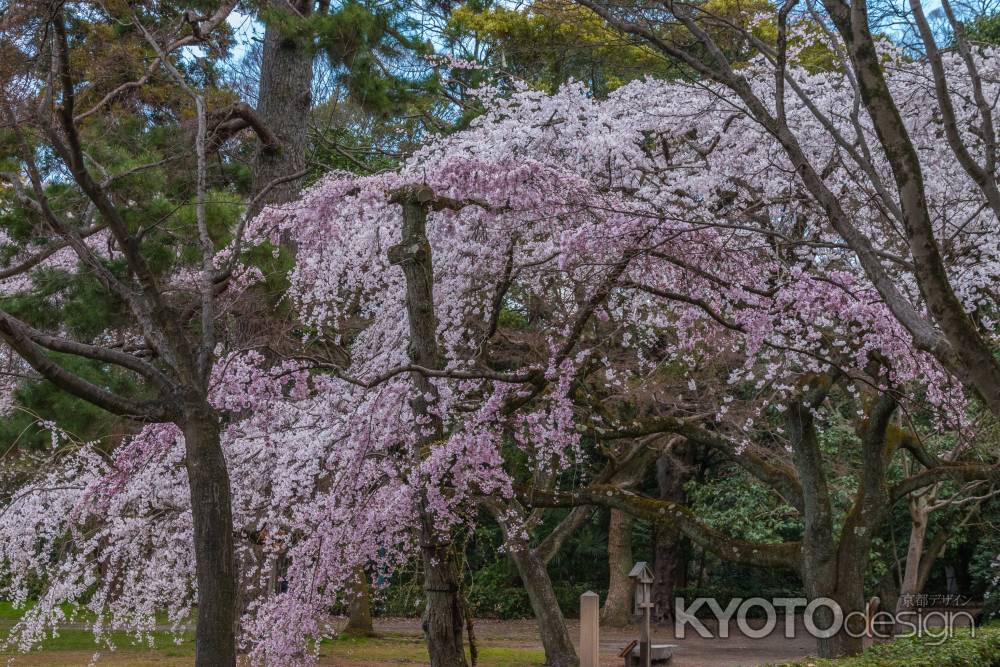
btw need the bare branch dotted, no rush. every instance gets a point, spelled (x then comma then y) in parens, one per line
(16, 334)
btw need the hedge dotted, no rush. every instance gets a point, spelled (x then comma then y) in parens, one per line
(961, 650)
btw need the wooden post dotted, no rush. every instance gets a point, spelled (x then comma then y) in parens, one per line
(644, 640)
(589, 647)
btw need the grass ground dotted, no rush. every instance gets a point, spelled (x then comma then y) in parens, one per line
(395, 649)
(75, 647)
(72, 649)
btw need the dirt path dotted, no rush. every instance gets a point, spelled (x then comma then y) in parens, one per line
(692, 651)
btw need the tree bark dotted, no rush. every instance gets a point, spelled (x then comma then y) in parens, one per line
(531, 567)
(888, 588)
(559, 650)
(848, 592)
(617, 610)
(920, 517)
(443, 620)
(215, 642)
(820, 566)
(669, 561)
(359, 608)
(283, 102)
(841, 577)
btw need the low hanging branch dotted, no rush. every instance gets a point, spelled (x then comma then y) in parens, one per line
(675, 516)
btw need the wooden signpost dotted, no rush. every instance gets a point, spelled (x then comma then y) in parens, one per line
(589, 644)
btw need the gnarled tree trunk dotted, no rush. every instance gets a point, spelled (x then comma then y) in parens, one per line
(843, 583)
(443, 620)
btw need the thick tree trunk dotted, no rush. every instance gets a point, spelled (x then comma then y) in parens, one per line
(283, 102)
(850, 596)
(359, 608)
(669, 571)
(669, 562)
(618, 605)
(843, 585)
(839, 645)
(833, 568)
(215, 642)
(443, 620)
(559, 650)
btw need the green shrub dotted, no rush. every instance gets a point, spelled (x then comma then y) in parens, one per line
(961, 650)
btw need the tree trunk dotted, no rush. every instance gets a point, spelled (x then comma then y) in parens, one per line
(443, 619)
(618, 605)
(531, 567)
(359, 608)
(443, 616)
(669, 562)
(919, 515)
(283, 102)
(669, 571)
(839, 645)
(215, 641)
(559, 651)
(836, 570)
(833, 568)
(922, 553)
(849, 595)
